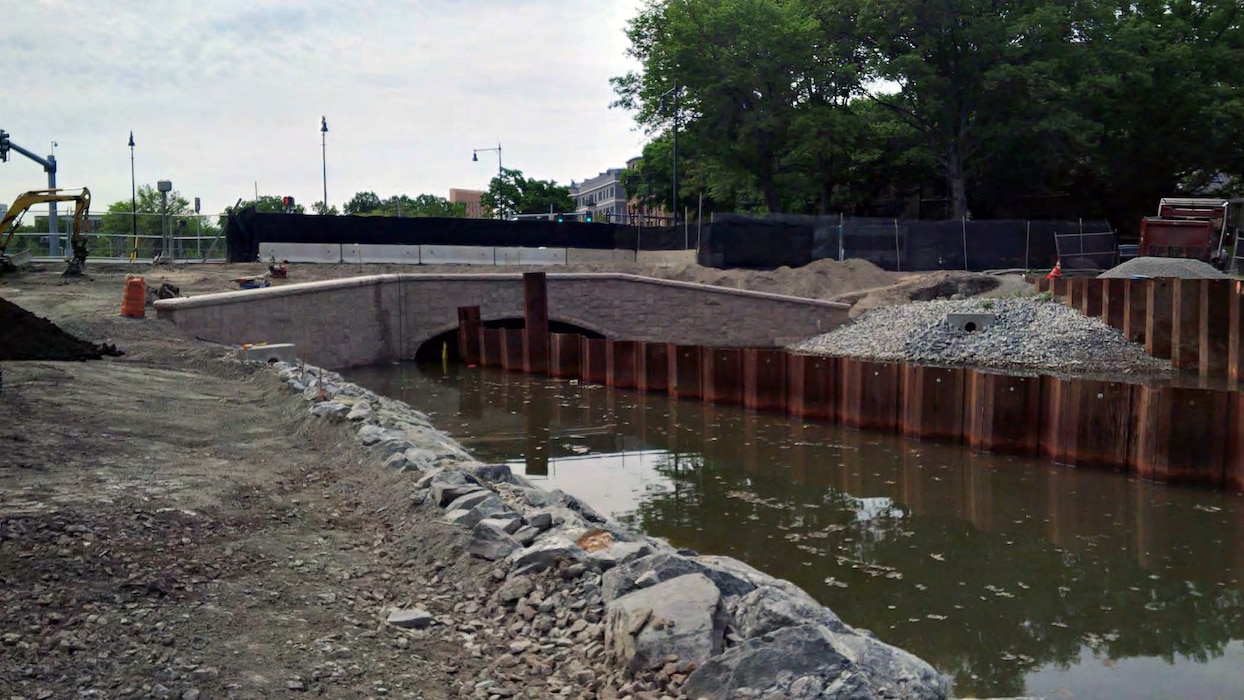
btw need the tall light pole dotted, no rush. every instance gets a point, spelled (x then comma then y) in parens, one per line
(500, 179)
(133, 200)
(324, 156)
(673, 94)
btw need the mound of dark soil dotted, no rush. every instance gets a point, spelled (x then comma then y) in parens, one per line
(25, 336)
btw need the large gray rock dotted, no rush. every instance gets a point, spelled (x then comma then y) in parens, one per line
(578, 506)
(360, 412)
(490, 541)
(448, 490)
(664, 566)
(810, 661)
(892, 672)
(417, 618)
(682, 616)
(544, 555)
(770, 608)
(489, 507)
(330, 409)
(620, 553)
(420, 458)
(470, 499)
(499, 474)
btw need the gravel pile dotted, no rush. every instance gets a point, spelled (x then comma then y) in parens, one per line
(1164, 267)
(1030, 334)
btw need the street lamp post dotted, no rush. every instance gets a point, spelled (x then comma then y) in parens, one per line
(673, 94)
(133, 201)
(324, 156)
(500, 179)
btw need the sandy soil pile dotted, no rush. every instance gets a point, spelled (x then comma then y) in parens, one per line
(823, 279)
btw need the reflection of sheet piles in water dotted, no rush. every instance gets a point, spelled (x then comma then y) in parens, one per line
(614, 483)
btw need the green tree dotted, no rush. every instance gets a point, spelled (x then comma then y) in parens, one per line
(363, 203)
(970, 73)
(511, 193)
(422, 205)
(757, 82)
(1164, 99)
(117, 225)
(320, 209)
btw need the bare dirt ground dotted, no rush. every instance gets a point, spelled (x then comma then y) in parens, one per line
(174, 525)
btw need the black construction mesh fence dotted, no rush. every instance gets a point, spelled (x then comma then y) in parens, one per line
(896, 244)
(245, 230)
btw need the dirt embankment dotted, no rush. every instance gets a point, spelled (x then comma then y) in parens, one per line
(25, 336)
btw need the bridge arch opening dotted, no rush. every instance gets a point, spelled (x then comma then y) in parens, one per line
(446, 344)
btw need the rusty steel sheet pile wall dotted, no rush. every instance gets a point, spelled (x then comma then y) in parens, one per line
(934, 402)
(1164, 433)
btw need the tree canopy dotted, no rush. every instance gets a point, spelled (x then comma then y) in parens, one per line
(370, 204)
(510, 193)
(1025, 108)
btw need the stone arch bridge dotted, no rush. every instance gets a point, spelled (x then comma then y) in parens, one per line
(386, 318)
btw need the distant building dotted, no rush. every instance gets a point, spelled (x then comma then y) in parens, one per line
(603, 196)
(471, 198)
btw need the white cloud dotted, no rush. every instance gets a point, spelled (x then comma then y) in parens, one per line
(224, 94)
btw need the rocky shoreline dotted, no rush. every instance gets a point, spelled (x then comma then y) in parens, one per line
(578, 606)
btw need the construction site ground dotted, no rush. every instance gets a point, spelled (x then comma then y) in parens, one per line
(175, 524)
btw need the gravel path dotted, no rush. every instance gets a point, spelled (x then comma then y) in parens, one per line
(1164, 267)
(1030, 334)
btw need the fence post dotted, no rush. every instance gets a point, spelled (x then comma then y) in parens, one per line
(1027, 244)
(965, 242)
(898, 255)
(841, 247)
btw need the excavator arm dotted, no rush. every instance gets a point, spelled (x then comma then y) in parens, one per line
(82, 207)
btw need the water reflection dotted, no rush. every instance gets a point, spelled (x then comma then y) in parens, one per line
(1010, 575)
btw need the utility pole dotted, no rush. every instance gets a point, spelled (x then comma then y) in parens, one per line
(323, 157)
(672, 93)
(49, 166)
(133, 201)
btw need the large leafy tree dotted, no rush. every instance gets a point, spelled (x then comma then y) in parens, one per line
(755, 82)
(117, 225)
(422, 205)
(1164, 100)
(363, 203)
(970, 74)
(511, 193)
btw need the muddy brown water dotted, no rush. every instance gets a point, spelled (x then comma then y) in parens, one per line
(1011, 576)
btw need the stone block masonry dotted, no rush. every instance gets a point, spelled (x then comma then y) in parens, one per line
(386, 318)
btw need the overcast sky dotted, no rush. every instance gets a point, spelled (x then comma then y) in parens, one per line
(223, 94)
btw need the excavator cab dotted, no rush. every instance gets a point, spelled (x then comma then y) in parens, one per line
(82, 206)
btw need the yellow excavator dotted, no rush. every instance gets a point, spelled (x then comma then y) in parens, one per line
(82, 205)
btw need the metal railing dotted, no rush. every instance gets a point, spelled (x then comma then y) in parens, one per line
(195, 237)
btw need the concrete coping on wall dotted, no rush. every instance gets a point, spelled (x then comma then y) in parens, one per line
(299, 288)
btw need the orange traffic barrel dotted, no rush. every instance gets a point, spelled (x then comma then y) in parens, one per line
(134, 299)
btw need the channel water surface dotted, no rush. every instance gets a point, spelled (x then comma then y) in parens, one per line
(1011, 576)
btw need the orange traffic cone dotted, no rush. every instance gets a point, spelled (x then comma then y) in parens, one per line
(1057, 271)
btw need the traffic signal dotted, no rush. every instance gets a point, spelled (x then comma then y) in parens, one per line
(4, 146)
(561, 218)
(587, 217)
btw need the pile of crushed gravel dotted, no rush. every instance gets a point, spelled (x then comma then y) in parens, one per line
(1030, 334)
(1164, 267)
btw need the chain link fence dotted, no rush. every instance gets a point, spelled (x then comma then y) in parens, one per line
(111, 238)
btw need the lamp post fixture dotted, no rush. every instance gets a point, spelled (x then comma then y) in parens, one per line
(324, 156)
(133, 201)
(500, 179)
(673, 94)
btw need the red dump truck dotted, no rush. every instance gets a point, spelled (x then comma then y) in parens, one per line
(1188, 228)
